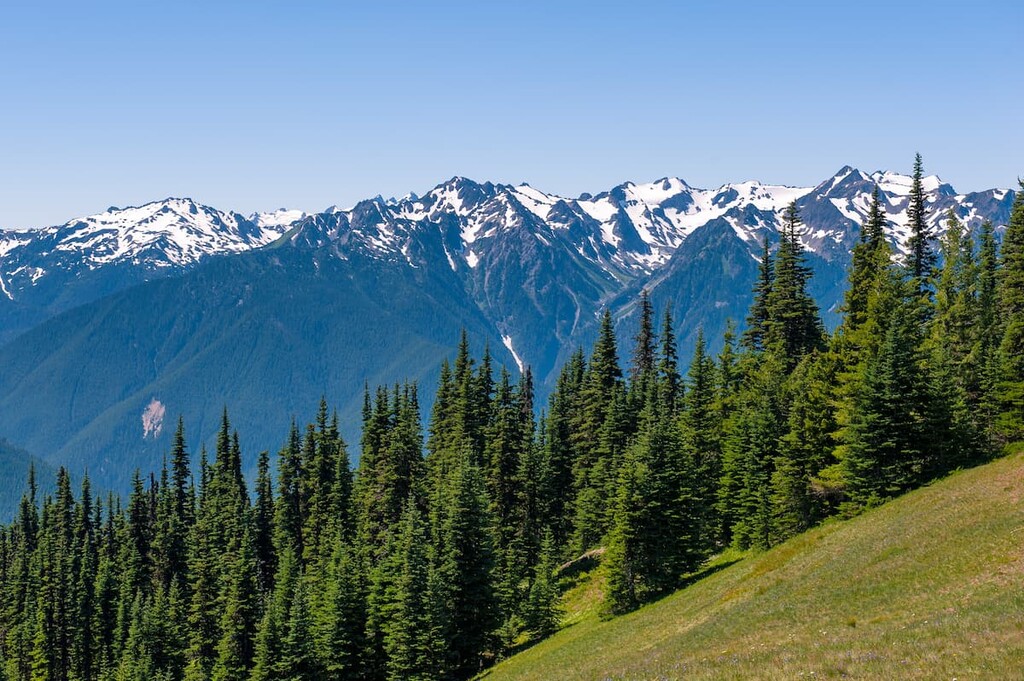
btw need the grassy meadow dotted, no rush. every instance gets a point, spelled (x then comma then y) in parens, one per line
(929, 586)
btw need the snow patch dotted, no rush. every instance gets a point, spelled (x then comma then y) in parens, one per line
(608, 234)
(602, 211)
(900, 185)
(405, 252)
(534, 201)
(843, 206)
(11, 240)
(660, 191)
(472, 260)
(282, 217)
(447, 200)
(470, 231)
(507, 340)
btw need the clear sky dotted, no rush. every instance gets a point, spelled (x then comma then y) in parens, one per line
(257, 105)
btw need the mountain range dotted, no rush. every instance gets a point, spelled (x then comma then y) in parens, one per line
(114, 324)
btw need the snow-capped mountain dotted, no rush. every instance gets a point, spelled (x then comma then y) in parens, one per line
(169, 233)
(593, 245)
(304, 305)
(282, 217)
(630, 229)
(633, 229)
(542, 265)
(834, 210)
(45, 271)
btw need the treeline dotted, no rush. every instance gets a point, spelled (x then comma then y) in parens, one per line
(14, 467)
(440, 553)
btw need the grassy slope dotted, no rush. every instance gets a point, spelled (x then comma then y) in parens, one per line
(928, 586)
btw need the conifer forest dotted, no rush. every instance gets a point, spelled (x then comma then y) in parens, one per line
(437, 554)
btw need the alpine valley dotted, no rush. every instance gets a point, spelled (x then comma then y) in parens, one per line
(113, 325)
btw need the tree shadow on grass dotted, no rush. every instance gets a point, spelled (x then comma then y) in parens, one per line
(707, 571)
(582, 566)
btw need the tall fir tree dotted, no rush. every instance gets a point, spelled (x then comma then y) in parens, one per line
(643, 364)
(920, 256)
(342, 629)
(757, 320)
(467, 608)
(798, 498)
(700, 434)
(1010, 389)
(865, 265)
(299, 660)
(542, 614)
(263, 528)
(235, 650)
(792, 327)
(989, 333)
(670, 385)
(408, 640)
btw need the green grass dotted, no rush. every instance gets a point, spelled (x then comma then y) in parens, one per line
(929, 586)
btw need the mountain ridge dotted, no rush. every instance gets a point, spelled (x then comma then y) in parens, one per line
(526, 272)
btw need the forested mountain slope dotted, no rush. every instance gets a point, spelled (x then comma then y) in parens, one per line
(377, 292)
(437, 554)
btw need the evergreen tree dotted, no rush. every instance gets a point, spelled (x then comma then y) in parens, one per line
(298, 653)
(274, 627)
(654, 539)
(988, 336)
(807, 447)
(181, 476)
(1010, 388)
(542, 609)
(792, 327)
(84, 565)
(407, 641)
(506, 446)
(343, 522)
(954, 339)
(593, 434)
(669, 382)
(728, 375)
(391, 469)
(603, 376)
(700, 433)
(289, 507)
(625, 556)
(464, 562)
(643, 367)
(239, 620)
(558, 451)
(750, 445)
(866, 265)
(920, 257)
(176, 516)
(263, 528)
(898, 435)
(343, 627)
(757, 320)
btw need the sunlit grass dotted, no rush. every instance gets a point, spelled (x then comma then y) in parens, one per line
(929, 586)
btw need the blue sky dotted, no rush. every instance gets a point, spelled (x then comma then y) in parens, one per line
(257, 105)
